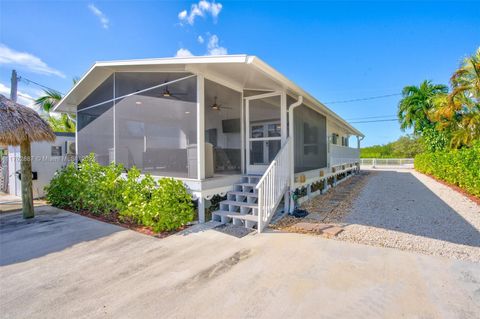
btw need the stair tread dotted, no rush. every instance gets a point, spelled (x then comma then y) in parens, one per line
(249, 217)
(243, 194)
(232, 202)
(246, 184)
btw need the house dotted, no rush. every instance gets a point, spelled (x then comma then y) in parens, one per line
(47, 158)
(222, 124)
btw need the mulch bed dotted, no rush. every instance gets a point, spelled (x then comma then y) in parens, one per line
(329, 208)
(113, 218)
(456, 188)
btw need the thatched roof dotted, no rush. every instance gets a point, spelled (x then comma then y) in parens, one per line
(19, 123)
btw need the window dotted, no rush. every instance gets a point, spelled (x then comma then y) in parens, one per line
(334, 138)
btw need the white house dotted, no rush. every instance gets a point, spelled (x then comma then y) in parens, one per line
(222, 124)
(46, 159)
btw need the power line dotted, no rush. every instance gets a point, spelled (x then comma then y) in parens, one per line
(369, 117)
(28, 81)
(374, 121)
(364, 98)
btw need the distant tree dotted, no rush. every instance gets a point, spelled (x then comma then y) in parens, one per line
(405, 147)
(416, 104)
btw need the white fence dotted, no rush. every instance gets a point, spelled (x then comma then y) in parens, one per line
(387, 162)
(272, 186)
(343, 154)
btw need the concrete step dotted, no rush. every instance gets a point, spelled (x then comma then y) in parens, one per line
(223, 213)
(247, 194)
(246, 184)
(239, 204)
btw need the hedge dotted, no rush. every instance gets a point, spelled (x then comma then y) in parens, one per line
(458, 167)
(163, 205)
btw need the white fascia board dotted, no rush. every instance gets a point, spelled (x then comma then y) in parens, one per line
(292, 86)
(59, 107)
(177, 60)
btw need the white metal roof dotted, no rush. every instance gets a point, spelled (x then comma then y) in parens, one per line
(238, 71)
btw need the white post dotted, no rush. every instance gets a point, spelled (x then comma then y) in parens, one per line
(283, 117)
(201, 209)
(242, 134)
(200, 127)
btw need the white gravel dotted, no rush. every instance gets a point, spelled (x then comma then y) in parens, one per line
(410, 211)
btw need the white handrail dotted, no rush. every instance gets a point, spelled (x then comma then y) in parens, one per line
(272, 186)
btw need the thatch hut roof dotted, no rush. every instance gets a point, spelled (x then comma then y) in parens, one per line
(19, 123)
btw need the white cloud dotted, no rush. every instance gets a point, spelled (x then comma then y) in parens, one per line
(22, 97)
(213, 48)
(200, 9)
(200, 39)
(183, 53)
(32, 63)
(100, 15)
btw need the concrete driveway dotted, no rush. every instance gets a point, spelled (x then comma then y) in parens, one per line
(62, 265)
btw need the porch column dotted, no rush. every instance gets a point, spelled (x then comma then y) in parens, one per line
(283, 116)
(200, 127)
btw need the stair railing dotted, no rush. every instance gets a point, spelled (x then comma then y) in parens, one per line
(273, 185)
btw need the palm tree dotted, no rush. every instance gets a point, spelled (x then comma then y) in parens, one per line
(459, 111)
(59, 123)
(416, 103)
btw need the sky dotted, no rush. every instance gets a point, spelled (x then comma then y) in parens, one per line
(337, 51)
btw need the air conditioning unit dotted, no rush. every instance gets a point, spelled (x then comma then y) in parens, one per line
(71, 148)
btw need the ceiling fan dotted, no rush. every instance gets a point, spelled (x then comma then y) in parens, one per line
(166, 93)
(217, 107)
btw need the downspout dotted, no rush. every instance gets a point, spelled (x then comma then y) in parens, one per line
(292, 142)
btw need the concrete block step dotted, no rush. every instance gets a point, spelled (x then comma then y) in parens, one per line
(248, 194)
(228, 214)
(246, 184)
(239, 204)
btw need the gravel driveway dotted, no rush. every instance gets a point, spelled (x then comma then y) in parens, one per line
(410, 211)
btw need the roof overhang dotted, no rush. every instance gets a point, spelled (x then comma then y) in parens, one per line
(238, 71)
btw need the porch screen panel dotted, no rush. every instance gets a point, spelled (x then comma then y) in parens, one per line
(222, 130)
(156, 130)
(310, 139)
(95, 133)
(131, 82)
(103, 93)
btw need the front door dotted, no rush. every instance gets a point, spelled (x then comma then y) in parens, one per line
(264, 131)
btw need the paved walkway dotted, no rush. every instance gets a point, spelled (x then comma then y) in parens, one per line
(9, 203)
(62, 265)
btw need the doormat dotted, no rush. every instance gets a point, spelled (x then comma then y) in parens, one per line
(234, 230)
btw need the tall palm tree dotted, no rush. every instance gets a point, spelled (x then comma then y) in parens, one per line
(459, 111)
(416, 103)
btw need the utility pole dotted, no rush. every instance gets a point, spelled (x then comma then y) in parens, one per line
(13, 86)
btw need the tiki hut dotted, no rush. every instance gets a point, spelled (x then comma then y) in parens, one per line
(20, 125)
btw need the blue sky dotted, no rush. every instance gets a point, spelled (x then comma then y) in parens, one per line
(335, 50)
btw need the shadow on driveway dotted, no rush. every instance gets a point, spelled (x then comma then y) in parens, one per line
(51, 230)
(399, 201)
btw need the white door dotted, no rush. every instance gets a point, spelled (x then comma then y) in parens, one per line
(265, 132)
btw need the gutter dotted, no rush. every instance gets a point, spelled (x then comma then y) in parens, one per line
(290, 135)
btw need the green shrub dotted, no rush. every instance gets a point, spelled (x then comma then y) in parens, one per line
(102, 190)
(170, 206)
(64, 188)
(460, 167)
